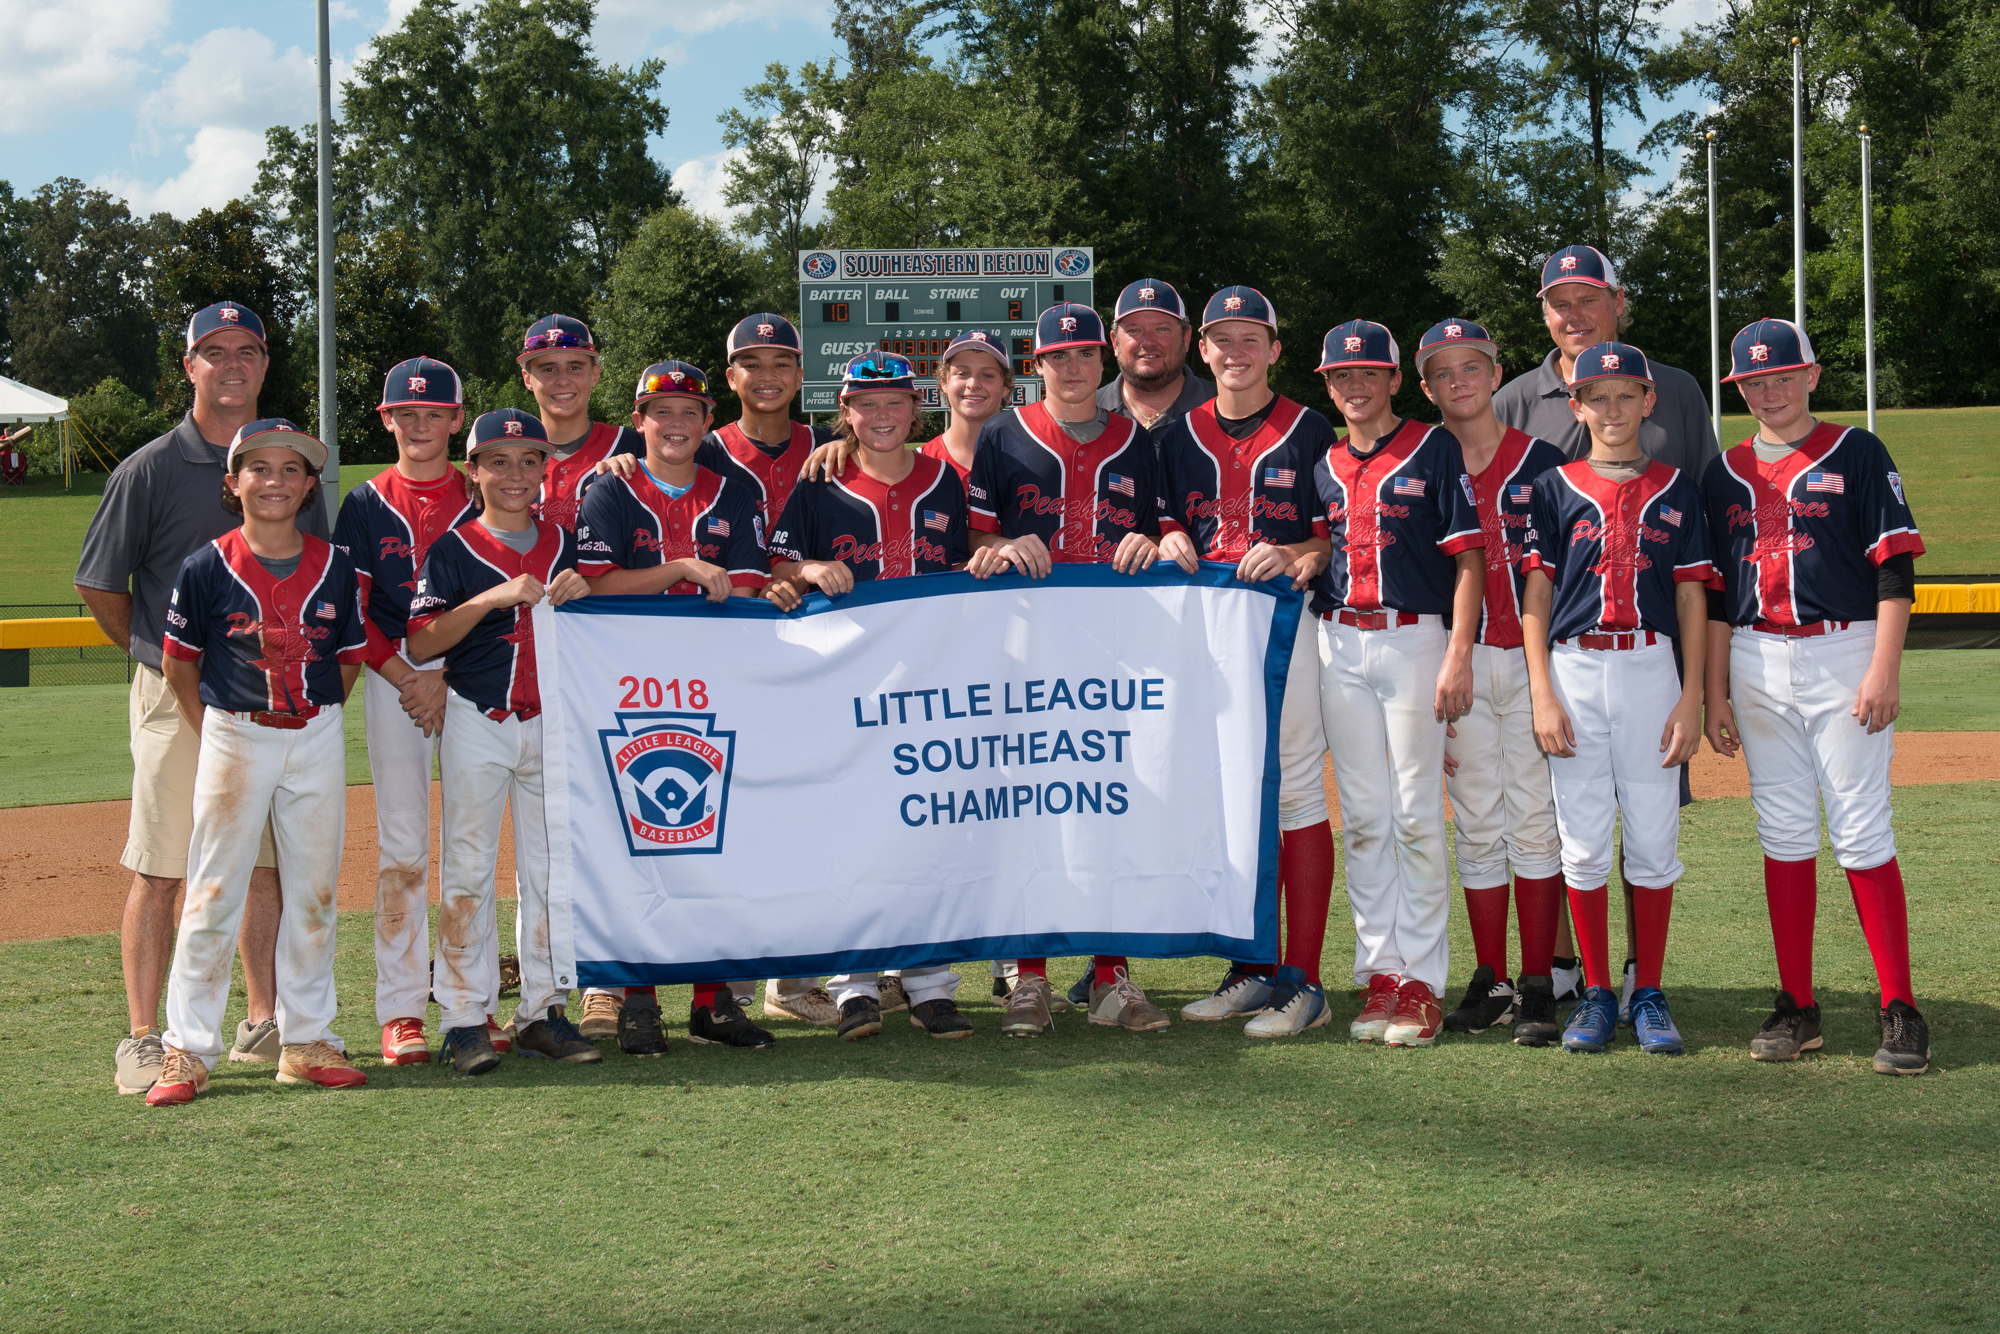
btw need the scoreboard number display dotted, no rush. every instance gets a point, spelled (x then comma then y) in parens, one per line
(914, 302)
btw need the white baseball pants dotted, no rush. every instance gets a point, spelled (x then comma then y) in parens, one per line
(488, 767)
(1618, 701)
(1302, 736)
(1501, 795)
(297, 780)
(920, 984)
(1802, 746)
(1378, 697)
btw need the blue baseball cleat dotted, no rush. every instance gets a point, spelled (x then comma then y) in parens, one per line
(1655, 1027)
(1595, 1021)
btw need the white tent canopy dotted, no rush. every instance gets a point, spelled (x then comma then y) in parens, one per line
(22, 403)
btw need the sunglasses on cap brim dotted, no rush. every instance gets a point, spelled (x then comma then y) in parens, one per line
(693, 385)
(554, 338)
(887, 368)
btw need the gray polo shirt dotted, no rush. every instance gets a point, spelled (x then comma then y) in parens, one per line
(1195, 391)
(159, 505)
(1679, 433)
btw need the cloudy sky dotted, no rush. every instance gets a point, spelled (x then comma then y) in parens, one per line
(165, 103)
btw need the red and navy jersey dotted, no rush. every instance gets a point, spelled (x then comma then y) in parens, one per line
(935, 449)
(267, 645)
(1397, 517)
(1797, 541)
(494, 665)
(1232, 494)
(386, 528)
(563, 479)
(630, 523)
(751, 464)
(1504, 492)
(916, 526)
(1615, 550)
(1029, 475)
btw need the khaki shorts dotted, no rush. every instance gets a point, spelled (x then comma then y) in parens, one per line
(164, 752)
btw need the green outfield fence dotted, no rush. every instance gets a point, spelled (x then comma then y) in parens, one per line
(101, 665)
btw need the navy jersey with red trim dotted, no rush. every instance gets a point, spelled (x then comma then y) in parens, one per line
(563, 480)
(880, 532)
(630, 523)
(751, 464)
(1229, 495)
(1029, 475)
(1615, 550)
(386, 526)
(494, 665)
(1397, 516)
(1504, 492)
(1797, 541)
(267, 645)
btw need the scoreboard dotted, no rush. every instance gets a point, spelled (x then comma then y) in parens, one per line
(914, 302)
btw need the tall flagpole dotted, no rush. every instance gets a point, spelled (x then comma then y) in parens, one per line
(329, 418)
(1798, 190)
(1868, 268)
(1714, 303)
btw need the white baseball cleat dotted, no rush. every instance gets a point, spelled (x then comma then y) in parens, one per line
(1239, 995)
(1296, 1005)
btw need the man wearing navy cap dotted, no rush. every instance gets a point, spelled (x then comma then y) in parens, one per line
(1150, 337)
(163, 502)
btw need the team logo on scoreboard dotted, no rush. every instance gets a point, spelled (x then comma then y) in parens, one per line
(1072, 263)
(819, 265)
(670, 775)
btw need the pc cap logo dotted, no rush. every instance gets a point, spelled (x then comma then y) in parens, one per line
(1568, 263)
(1454, 331)
(1760, 352)
(819, 264)
(227, 315)
(1232, 303)
(670, 775)
(1353, 342)
(1767, 347)
(1609, 361)
(1067, 323)
(1147, 293)
(766, 329)
(418, 384)
(512, 426)
(1578, 264)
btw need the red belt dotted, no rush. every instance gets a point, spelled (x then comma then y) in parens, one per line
(1373, 620)
(1630, 639)
(502, 715)
(288, 722)
(1810, 630)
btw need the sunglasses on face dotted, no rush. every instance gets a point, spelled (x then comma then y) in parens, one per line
(554, 338)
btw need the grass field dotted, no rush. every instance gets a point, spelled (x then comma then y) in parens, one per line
(1093, 1180)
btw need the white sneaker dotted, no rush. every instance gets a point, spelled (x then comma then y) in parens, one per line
(1296, 1007)
(1625, 992)
(808, 1007)
(1240, 994)
(1568, 983)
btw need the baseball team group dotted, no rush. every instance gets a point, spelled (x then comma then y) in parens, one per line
(1539, 604)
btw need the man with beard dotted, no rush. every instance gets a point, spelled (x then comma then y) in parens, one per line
(1150, 337)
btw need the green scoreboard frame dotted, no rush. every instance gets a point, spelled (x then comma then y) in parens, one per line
(914, 302)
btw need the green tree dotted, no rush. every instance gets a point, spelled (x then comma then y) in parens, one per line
(16, 273)
(287, 197)
(787, 146)
(119, 418)
(85, 316)
(217, 255)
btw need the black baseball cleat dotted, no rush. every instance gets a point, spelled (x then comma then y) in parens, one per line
(941, 1019)
(469, 1050)
(640, 1032)
(555, 1038)
(723, 1024)
(1791, 1029)
(1079, 995)
(1535, 1020)
(1906, 1041)
(860, 1017)
(1568, 977)
(1000, 988)
(1488, 1001)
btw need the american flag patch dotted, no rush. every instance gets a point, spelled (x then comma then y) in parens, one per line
(1671, 515)
(933, 519)
(324, 611)
(1520, 495)
(1409, 486)
(718, 527)
(1281, 477)
(1122, 485)
(1831, 482)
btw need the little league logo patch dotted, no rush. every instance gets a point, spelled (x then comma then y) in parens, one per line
(670, 775)
(1896, 485)
(1072, 263)
(819, 264)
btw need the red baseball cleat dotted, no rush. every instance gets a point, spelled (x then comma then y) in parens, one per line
(319, 1063)
(182, 1075)
(403, 1043)
(1373, 1021)
(1417, 1017)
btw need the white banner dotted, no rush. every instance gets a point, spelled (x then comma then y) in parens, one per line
(929, 770)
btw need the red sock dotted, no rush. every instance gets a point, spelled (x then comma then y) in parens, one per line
(1591, 911)
(1885, 920)
(1486, 909)
(1305, 870)
(1538, 907)
(1032, 967)
(1105, 968)
(1650, 910)
(704, 992)
(1791, 892)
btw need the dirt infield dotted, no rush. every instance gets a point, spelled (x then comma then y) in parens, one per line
(59, 872)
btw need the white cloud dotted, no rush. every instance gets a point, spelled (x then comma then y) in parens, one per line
(63, 54)
(222, 164)
(625, 27)
(235, 77)
(701, 182)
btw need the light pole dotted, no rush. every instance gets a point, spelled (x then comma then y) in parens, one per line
(1798, 188)
(329, 419)
(1868, 268)
(1714, 303)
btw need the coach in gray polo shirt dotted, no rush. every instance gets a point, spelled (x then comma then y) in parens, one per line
(1150, 337)
(160, 504)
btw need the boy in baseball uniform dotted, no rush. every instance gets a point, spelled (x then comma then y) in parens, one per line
(1817, 549)
(472, 607)
(264, 639)
(1617, 557)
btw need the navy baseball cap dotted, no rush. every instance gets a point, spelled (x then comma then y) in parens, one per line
(762, 330)
(1239, 303)
(266, 432)
(1149, 294)
(1611, 361)
(1766, 346)
(1359, 343)
(220, 317)
(672, 377)
(506, 426)
(1068, 325)
(1578, 264)
(1454, 333)
(422, 380)
(878, 370)
(978, 340)
(554, 333)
